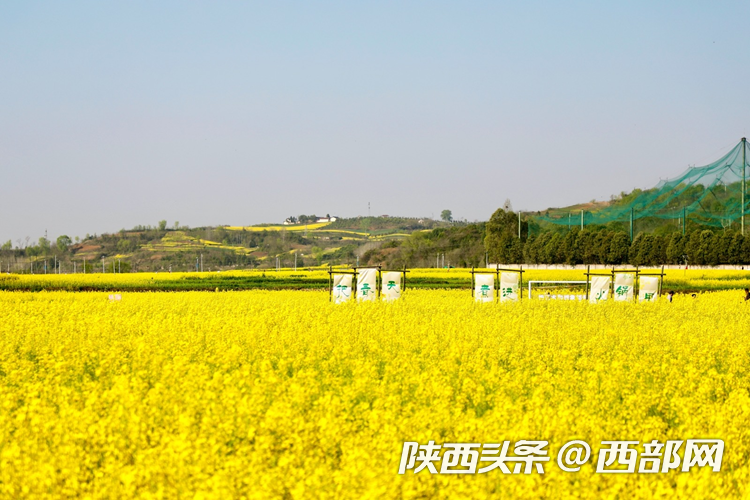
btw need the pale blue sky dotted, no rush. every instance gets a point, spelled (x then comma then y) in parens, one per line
(118, 114)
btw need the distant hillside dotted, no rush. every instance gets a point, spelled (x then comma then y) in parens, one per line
(147, 248)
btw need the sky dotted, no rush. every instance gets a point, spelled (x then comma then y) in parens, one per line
(117, 114)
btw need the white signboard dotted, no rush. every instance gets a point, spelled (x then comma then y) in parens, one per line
(508, 287)
(484, 287)
(624, 287)
(391, 286)
(367, 285)
(342, 288)
(649, 289)
(599, 289)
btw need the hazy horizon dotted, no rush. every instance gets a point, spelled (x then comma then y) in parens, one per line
(117, 115)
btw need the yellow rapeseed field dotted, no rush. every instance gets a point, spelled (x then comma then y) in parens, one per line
(698, 278)
(279, 394)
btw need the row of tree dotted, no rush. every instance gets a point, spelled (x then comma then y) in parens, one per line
(604, 246)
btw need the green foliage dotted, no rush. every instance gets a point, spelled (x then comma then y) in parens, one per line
(63, 242)
(124, 246)
(307, 219)
(501, 241)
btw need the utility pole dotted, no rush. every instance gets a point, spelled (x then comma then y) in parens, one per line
(744, 164)
(581, 219)
(201, 262)
(631, 224)
(519, 224)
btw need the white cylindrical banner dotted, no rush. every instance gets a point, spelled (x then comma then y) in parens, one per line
(367, 284)
(342, 288)
(484, 287)
(648, 289)
(508, 286)
(599, 289)
(391, 285)
(624, 287)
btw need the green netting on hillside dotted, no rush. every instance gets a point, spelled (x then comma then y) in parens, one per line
(709, 195)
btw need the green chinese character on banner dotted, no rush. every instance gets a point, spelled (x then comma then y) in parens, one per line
(484, 290)
(622, 290)
(648, 296)
(366, 288)
(342, 290)
(391, 285)
(507, 292)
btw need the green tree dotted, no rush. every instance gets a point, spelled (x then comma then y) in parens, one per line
(528, 247)
(619, 248)
(645, 250)
(707, 248)
(569, 251)
(501, 238)
(587, 246)
(745, 256)
(601, 244)
(734, 252)
(317, 254)
(446, 215)
(162, 225)
(675, 249)
(63, 242)
(692, 249)
(8, 245)
(537, 248)
(658, 254)
(44, 245)
(124, 246)
(723, 243)
(635, 247)
(550, 252)
(220, 234)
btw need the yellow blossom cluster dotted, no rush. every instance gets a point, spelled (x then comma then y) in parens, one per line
(280, 394)
(701, 279)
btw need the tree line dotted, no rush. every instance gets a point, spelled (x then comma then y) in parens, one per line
(600, 245)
